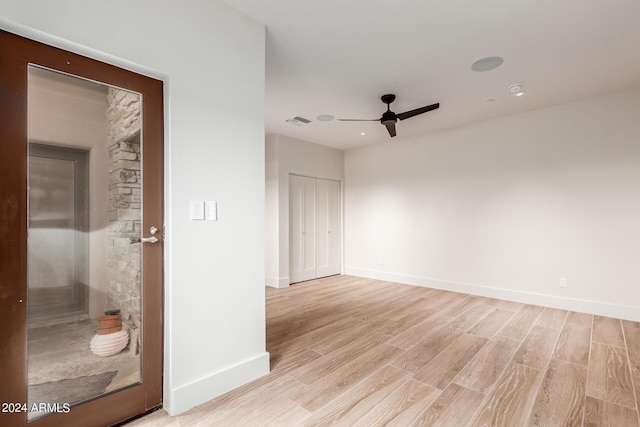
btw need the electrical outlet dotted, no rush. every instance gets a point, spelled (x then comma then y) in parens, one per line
(563, 282)
(379, 263)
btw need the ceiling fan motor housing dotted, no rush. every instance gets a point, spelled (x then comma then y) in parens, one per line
(389, 117)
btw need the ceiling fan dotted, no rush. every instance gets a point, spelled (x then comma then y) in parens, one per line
(389, 118)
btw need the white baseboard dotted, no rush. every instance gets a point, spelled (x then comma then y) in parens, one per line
(584, 306)
(187, 396)
(274, 282)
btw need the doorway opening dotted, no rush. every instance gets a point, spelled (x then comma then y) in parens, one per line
(58, 239)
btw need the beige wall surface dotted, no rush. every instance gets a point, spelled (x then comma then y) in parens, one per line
(507, 207)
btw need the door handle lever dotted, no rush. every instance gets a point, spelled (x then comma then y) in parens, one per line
(151, 239)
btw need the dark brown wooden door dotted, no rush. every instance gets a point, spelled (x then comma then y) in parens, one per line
(89, 231)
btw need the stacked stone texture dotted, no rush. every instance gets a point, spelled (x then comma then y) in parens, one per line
(124, 272)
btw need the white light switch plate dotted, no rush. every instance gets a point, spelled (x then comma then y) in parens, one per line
(196, 209)
(212, 210)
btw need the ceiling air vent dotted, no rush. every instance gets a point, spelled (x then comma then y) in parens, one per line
(298, 121)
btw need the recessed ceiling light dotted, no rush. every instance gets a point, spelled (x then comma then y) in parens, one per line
(325, 118)
(516, 89)
(362, 133)
(487, 64)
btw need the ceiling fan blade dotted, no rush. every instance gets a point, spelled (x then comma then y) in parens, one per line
(417, 111)
(391, 127)
(358, 120)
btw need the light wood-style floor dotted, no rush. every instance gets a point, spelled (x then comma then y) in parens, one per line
(357, 352)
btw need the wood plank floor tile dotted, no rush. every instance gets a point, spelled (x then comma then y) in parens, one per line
(395, 327)
(599, 413)
(484, 369)
(360, 399)
(325, 365)
(510, 402)
(455, 407)
(417, 306)
(535, 351)
(472, 316)
(519, 325)
(426, 350)
(413, 335)
(560, 400)
(441, 370)
(493, 302)
(291, 329)
(573, 344)
(492, 323)
(328, 388)
(446, 299)
(632, 339)
(552, 318)
(334, 338)
(320, 334)
(230, 408)
(382, 307)
(156, 419)
(607, 330)
(510, 305)
(458, 307)
(352, 351)
(283, 362)
(582, 319)
(402, 407)
(609, 376)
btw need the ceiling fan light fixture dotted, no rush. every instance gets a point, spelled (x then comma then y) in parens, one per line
(487, 64)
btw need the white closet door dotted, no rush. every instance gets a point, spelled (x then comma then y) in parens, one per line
(329, 228)
(302, 232)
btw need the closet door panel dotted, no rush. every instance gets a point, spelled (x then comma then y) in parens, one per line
(334, 231)
(309, 224)
(295, 228)
(329, 228)
(323, 226)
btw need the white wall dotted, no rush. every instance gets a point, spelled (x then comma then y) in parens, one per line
(212, 60)
(507, 207)
(284, 156)
(272, 212)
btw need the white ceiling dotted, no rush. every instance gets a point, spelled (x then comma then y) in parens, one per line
(338, 57)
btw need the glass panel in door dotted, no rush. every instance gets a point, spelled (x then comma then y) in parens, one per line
(84, 240)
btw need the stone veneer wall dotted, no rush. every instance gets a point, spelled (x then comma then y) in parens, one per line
(124, 273)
